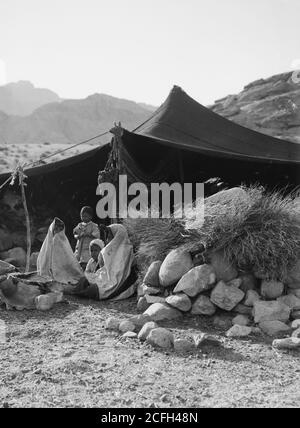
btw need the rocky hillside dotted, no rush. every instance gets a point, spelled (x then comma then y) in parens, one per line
(270, 106)
(71, 121)
(22, 98)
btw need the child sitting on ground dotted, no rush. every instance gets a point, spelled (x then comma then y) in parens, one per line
(84, 233)
(96, 260)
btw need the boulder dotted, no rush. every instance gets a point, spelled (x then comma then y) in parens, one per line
(139, 320)
(6, 241)
(130, 334)
(126, 325)
(270, 290)
(243, 309)
(295, 292)
(222, 321)
(143, 289)
(180, 301)
(241, 320)
(223, 269)
(237, 282)
(161, 338)
(252, 296)
(161, 311)
(291, 301)
(270, 311)
(274, 328)
(295, 324)
(296, 333)
(154, 299)
(183, 345)
(142, 304)
(203, 306)
(176, 264)
(287, 343)
(239, 331)
(249, 282)
(152, 274)
(197, 280)
(145, 330)
(293, 275)
(45, 302)
(204, 338)
(226, 297)
(112, 323)
(16, 255)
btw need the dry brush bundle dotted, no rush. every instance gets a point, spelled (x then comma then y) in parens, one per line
(153, 238)
(256, 230)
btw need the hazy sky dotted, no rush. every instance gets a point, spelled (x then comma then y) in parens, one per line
(138, 49)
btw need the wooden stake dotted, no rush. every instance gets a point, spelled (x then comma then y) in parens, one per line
(27, 221)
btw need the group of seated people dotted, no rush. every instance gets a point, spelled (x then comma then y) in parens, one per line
(101, 267)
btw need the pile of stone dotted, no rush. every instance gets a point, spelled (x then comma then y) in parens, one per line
(177, 286)
(143, 328)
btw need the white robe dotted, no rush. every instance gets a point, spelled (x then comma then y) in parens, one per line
(118, 257)
(56, 259)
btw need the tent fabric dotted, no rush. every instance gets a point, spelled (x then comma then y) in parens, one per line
(184, 123)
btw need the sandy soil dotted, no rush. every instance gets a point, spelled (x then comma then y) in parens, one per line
(66, 358)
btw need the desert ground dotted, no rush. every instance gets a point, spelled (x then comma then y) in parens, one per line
(11, 155)
(66, 358)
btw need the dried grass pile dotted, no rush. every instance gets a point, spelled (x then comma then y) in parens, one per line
(257, 231)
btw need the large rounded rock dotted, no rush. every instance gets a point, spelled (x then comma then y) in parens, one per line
(179, 301)
(45, 302)
(17, 256)
(142, 304)
(161, 311)
(274, 328)
(252, 296)
(226, 297)
(203, 306)
(176, 264)
(223, 269)
(243, 309)
(161, 338)
(291, 301)
(139, 320)
(112, 323)
(197, 280)
(241, 320)
(295, 292)
(270, 311)
(239, 331)
(152, 274)
(271, 289)
(287, 343)
(145, 330)
(126, 326)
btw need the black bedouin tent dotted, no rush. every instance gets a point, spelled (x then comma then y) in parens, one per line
(182, 141)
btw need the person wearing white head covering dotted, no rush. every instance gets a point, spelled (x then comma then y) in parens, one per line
(56, 259)
(116, 278)
(96, 260)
